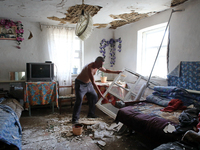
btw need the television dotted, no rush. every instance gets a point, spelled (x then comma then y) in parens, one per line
(39, 72)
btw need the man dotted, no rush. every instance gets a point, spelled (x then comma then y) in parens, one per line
(85, 85)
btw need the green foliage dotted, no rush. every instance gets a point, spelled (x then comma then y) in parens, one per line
(101, 73)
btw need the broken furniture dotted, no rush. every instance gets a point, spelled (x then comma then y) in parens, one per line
(10, 128)
(144, 114)
(125, 87)
(157, 118)
(40, 93)
(71, 97)
(104, 86)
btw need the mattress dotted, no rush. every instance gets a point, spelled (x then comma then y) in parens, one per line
(147, 118)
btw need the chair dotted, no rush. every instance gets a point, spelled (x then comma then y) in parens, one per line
(66, 98)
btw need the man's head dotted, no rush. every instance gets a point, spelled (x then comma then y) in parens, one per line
(99, 61)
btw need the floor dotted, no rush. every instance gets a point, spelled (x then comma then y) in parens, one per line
(45, 130)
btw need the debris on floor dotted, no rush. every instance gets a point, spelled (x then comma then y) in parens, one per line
(55, 132)
(58, 129)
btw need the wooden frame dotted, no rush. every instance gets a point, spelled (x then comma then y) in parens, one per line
(132, 92)
(8, 34)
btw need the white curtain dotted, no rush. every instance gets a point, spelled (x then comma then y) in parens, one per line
(59, 41)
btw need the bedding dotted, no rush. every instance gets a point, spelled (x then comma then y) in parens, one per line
(147, 119)
(154, 110)
(150, 118)
(10, 128)
(14, 104)
(162, 95)
(186, 75)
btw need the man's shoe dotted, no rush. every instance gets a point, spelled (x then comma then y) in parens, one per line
(92, 116)
(75, 122)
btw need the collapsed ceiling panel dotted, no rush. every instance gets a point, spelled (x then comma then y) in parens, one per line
(126, 19)
(106, 14)
(74, 12)
(100, 25)
(177, 2)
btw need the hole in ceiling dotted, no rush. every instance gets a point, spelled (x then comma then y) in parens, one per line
(177, 2)
(100, 25)
(74, 12)
(126, 19)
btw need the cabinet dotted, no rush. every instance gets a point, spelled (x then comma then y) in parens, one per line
(15, 88)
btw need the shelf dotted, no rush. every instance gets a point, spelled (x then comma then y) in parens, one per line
(12, 81)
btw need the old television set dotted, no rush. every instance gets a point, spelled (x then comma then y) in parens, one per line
(39, 72)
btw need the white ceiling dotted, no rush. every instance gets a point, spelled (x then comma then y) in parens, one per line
(39, 10)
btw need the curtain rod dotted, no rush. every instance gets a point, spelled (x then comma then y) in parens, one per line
(54, 26)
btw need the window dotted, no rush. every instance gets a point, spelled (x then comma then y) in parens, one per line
(78, 54)
(149, 40)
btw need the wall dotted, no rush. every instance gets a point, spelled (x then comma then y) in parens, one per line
(14, 59)
(33, 50)
(91, 48)
(184, 45)
(184, 36)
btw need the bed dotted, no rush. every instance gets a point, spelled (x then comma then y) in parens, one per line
(159, 118)
(10, 128)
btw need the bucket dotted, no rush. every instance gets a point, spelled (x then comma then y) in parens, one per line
(77, 129)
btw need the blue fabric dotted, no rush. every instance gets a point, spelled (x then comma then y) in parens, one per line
(189, 76)
(176, 72)
(2, 99)
(164, 89)
(158, 100)
(162, 93)
(10, 128)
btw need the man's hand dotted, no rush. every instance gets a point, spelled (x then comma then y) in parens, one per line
(119, 71)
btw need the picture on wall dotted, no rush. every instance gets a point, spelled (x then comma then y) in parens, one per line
(8, 34)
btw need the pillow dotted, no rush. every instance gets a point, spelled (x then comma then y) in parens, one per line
(161, 101)
(15, 105)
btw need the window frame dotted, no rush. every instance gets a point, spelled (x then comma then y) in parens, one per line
(141, 44)
(81, 53)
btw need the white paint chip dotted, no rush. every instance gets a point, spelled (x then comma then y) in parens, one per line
(169, 128)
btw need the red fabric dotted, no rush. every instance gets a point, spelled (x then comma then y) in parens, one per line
(174, 104)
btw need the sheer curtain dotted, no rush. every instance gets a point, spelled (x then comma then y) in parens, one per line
(59, 41)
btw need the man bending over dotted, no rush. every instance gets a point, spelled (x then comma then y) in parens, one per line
(85, 85)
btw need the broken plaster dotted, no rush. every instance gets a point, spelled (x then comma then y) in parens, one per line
(100, 25)
(126, 19)
(177, 2)
(74, 12)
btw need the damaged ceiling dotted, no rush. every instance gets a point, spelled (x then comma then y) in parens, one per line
(106, 14)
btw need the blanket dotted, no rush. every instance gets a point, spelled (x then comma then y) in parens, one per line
(187, 75)
(145, 119)
(162, 95)
(10, 128)
(174, 104)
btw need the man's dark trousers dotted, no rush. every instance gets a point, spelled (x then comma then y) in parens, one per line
(82, 89)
